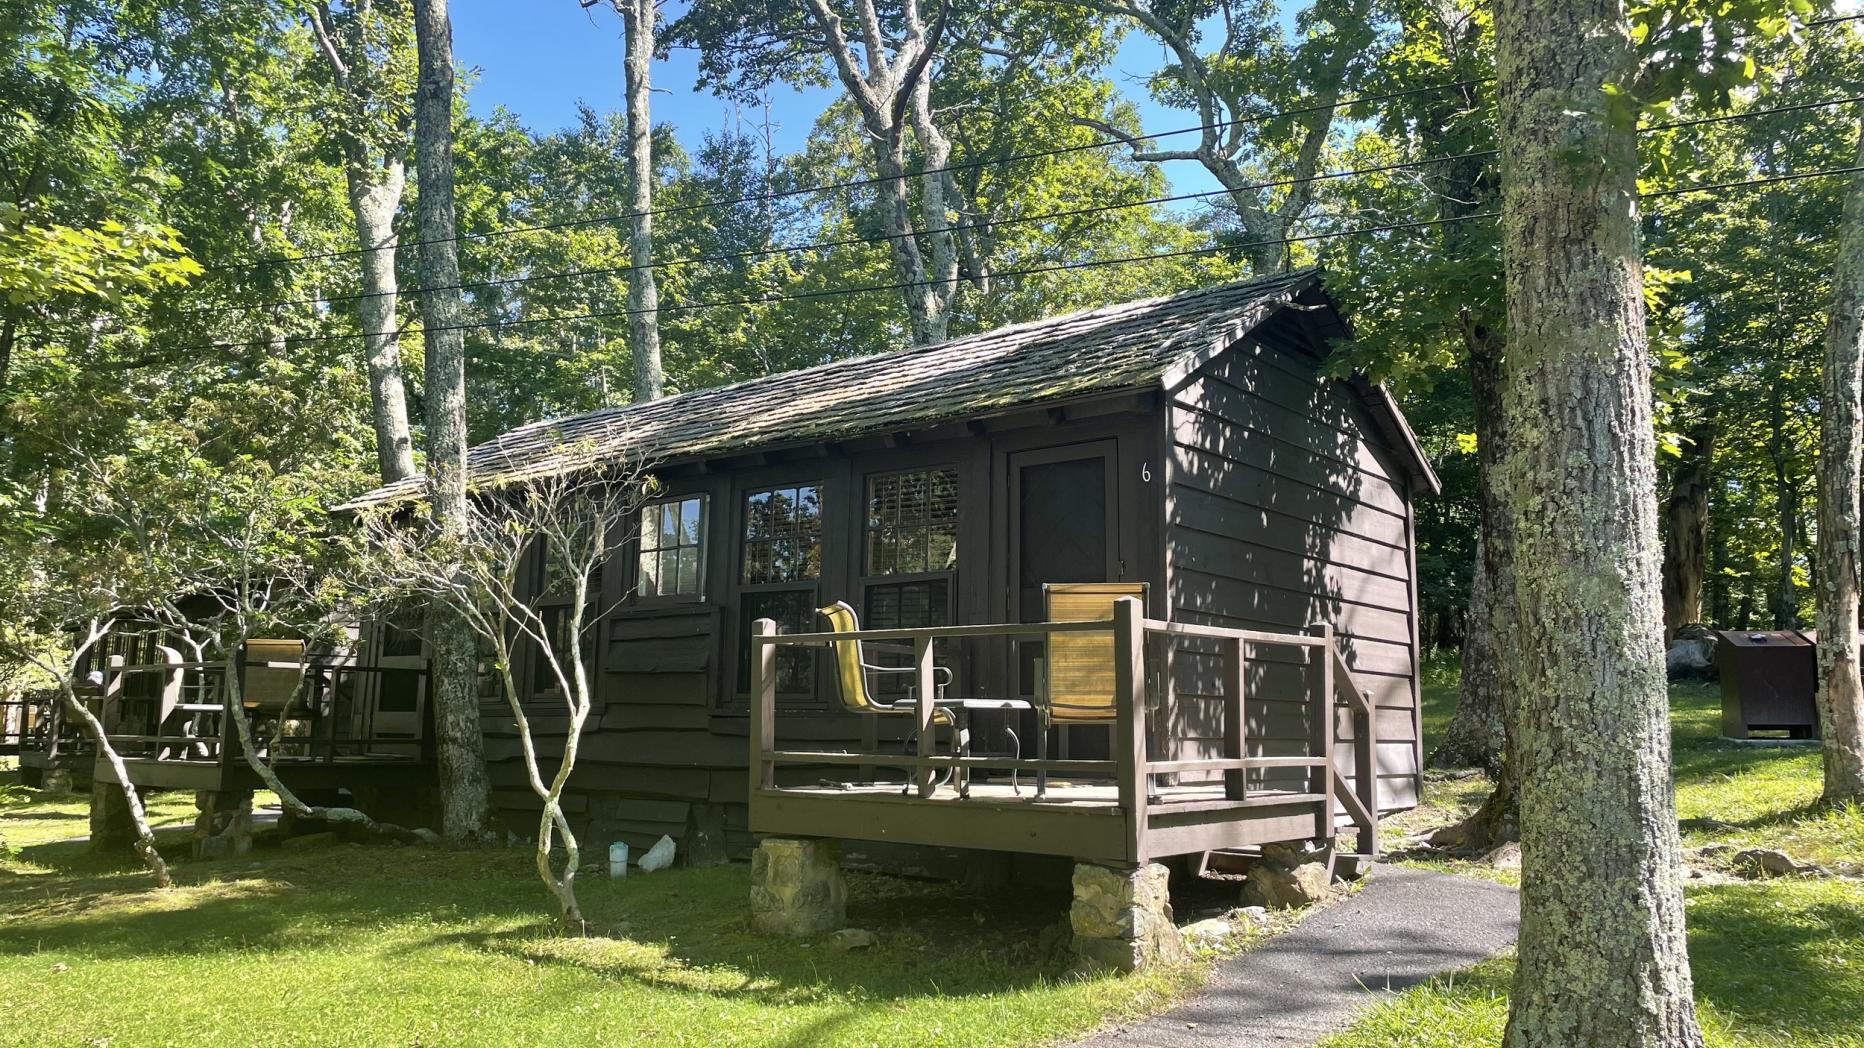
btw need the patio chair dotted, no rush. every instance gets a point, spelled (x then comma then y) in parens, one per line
(1076, 684)
(852, 672)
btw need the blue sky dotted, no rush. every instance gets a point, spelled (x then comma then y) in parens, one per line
(539, 58)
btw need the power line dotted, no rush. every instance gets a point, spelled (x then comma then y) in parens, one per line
(1217, 125)
(780, 249)
(1028, 271)
(873, 241)
(755, 198)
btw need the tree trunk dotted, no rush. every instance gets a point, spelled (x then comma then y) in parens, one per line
(1476, 735)
(374, 203)
(464, 785)
(145, 837)
(1785, 602)
(637, 20)
(1602, 958)
(1686, 536)
(1841, 435)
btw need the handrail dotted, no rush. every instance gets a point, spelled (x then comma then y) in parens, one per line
(1003, 629)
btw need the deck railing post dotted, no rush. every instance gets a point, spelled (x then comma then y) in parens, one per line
(1129, 724)
(1321, 724)
(1235, 724)
(763, 703)
(924, 692)
(1365, 758)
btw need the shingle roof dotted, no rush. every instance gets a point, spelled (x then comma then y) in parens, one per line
(1114, 347)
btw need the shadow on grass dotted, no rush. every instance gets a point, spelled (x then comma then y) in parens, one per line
(683, 932)
(687, 931)
(1782, 956)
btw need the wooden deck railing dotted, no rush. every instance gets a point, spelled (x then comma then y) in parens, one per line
(195, 723)
(1130, 766)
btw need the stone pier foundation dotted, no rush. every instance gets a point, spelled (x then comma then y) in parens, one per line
(224, 825)
(1121, 917)
(112, 828)
(796, 887)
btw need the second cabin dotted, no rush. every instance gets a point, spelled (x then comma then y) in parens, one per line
(1187, 451)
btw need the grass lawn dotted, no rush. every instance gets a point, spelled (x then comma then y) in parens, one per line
(1776, 963)
(383, 945)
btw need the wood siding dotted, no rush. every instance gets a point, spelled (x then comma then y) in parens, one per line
(1286, 508)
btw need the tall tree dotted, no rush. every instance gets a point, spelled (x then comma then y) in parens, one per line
(1686, 524)
(1841, 439)
(1602, 951)
(465, 789)
(367, 51)
(638, 33)
(886, 66)
(1236, 88)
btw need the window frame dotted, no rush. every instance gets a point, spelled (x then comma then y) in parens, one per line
(865, 578)
(808, 699)
(634, 549)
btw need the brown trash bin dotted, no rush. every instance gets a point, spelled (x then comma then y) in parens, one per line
(1769, 681)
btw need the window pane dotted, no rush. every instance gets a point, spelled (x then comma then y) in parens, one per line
(794, 612)
(689, 571)
(650, 586)
(650, 527)
(689, 522)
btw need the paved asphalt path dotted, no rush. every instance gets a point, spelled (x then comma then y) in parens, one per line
(1404, 927)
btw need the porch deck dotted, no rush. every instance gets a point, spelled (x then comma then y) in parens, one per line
(1135, 807)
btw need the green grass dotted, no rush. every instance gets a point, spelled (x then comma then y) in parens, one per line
(398, 946)
(1776, 963)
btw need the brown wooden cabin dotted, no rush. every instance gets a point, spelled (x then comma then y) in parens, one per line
(1189, 442)
(360, 722)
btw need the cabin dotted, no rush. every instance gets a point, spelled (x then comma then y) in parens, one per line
(1248, 517)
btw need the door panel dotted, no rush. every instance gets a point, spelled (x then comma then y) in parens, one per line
(1063, 528)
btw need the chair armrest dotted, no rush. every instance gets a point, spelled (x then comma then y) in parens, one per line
(936, 670)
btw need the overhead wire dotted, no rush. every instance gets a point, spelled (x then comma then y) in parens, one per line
(1026, 271)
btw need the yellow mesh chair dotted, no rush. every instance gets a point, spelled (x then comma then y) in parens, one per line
(1077, 680)
(851, 679)
(852, 669)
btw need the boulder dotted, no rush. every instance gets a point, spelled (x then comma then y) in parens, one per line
(1768, 862)
(1505, 857)
(796, 887)
(852, 939)
(1692, 654)
(1208, 934)
(1278, 887)
(1121, 918)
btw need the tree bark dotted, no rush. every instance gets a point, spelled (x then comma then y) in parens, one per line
(1686, 533)
(892, 93)
(464, 785)
(374, 203)
(637, 20)
(1841, 438)
(1785, 601)
(1476, 735)
(1602, 958)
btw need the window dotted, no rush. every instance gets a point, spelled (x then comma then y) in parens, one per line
(911, 555)
(783, 534)
(782, 561)
(912, 522)
(672, 552)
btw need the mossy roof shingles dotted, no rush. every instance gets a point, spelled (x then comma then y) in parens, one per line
(1125, 346)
